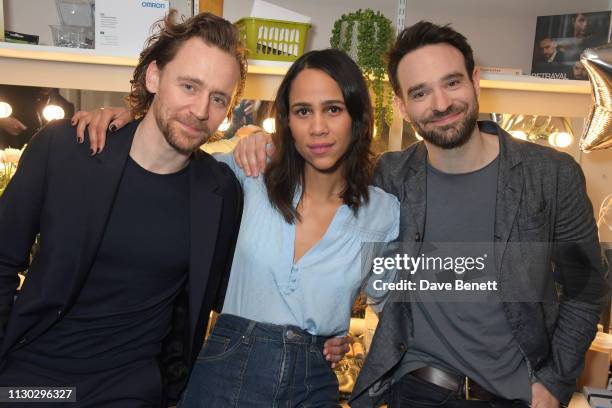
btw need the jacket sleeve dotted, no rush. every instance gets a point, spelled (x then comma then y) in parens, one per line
(236, 217)
(580, 272)
(20, 209)
(382, 173)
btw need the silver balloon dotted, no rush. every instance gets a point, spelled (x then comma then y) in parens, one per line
(597, 134)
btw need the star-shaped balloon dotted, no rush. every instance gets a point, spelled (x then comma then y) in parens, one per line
(597, 134)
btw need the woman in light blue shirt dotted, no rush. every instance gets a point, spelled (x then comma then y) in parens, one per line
(297, 266)
(298, 262)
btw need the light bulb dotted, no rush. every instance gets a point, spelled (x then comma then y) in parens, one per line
(53, 112)
(560, 139)
(564, 139)
(5, 110)
(269, 125)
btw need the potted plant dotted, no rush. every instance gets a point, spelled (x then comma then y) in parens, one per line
(366, 36)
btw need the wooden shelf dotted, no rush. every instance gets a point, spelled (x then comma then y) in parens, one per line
(38, 65)
(534, 96)
(533, 84)
(84, 69)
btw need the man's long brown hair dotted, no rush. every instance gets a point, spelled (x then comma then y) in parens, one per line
(169, 36)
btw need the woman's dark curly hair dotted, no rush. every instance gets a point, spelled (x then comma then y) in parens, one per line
(285, 172)
(169, 36)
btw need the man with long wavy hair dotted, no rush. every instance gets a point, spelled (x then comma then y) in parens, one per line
(136, 242)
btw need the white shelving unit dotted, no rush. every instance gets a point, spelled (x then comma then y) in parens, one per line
(84, 69)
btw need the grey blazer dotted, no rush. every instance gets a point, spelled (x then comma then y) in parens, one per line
(541, 197)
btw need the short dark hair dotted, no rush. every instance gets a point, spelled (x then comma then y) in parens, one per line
(419, 35)
(285, 172)
(165, 43)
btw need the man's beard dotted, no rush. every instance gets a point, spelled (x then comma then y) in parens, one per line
(454, 134)
(170, 128)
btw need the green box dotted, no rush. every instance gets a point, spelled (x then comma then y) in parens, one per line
(273, 40)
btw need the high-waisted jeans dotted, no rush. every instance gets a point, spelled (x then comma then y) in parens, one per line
(249, 364)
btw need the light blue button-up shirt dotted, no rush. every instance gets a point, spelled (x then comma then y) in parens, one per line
(317, 292)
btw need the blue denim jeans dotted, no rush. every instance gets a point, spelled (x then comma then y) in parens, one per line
(249, 364)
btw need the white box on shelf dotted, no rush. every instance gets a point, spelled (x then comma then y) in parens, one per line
(501, 70)
(263, 9)
(123, 26)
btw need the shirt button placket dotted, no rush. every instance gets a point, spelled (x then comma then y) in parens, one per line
(293, 278)
(292, 283)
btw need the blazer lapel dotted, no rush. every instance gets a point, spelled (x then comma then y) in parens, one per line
(509, 192)
(413, 209)
(416, 195)
(205, 207)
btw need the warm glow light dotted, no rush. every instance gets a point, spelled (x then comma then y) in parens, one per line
(224, 125)
(560, 139)
(269, 125)
(5, 110)
(53, 112)
(564, 139)
(518, 134)
(418, 137)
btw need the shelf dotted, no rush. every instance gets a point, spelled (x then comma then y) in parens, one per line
(534, 84)
(44, 53)
(84, 69)
(39, 65)
(534, 96)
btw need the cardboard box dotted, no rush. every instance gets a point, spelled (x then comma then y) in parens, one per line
(596, 368)
(263, 9)
(123, 26)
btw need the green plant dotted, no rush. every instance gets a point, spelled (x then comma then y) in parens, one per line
(374, 37)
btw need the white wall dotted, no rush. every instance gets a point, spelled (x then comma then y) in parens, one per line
(323, 13)
(31, 17)
(184, 7)
(501, 32)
